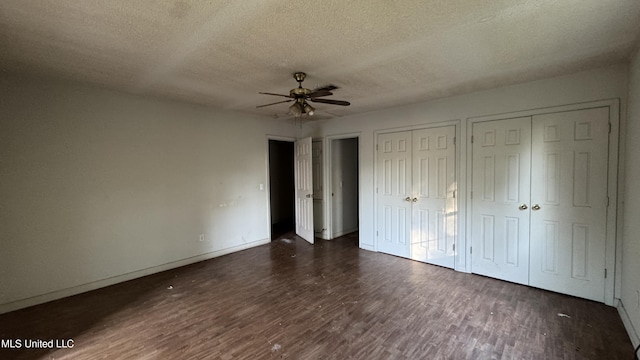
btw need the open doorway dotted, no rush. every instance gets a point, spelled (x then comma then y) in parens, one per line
(344, 183)
(281, 187)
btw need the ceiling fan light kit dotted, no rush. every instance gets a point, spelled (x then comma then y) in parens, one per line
(308, 109)
(295, 110)
(300, 95)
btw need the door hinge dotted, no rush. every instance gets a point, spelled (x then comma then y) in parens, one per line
(454, 140)
(376, 190)
(454, 194)
(376, 147)
(470, 249)
(609, 128)
(454, 247)
(605, 273)
(472, 139)
(376, 232)
(471, 195)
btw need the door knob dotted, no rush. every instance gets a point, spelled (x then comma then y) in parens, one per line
(415, 199)
(407, 199)
(536, 207)
(308, 195)
(523, 207)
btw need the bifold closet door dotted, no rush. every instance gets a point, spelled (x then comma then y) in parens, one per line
(433, 208)
(415, 195)
(539, 200)
(500, 199)
(569, 202)
(393, 189)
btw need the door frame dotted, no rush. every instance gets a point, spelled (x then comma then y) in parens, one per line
(328, 177)
(460, 256)
(613, 249)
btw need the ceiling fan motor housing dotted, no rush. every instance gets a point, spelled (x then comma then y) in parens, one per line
(299, 92)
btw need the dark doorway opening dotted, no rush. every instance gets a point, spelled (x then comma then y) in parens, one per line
(282, 190)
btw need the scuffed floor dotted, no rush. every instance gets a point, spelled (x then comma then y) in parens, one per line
(331, 300)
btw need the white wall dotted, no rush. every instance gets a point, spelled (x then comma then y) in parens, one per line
(599, 84)
(99, 187)
(631, 229)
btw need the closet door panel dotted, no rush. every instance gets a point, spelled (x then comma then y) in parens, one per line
(500, 199)
(569, 202)
(393, 187)
(433, 208)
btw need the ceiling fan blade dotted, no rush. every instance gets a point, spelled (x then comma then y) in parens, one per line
(279, 102)
(325, 88)
(332, 102)
(265, 93)
(316, 94)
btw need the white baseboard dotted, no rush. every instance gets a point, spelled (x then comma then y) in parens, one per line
(628, 325)
(58, 294)
(344, 232)
(367, 247)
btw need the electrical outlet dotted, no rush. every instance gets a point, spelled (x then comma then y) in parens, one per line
(201, 237)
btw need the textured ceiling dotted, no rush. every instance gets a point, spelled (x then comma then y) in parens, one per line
(381, 53)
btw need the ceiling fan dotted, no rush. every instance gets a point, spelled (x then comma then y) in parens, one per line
(301, 95)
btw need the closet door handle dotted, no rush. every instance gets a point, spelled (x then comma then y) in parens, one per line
(415, 199)
(407, 199)
(523, 207)
(536, 207)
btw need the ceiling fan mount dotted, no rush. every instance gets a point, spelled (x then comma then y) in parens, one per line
(301, 95)
(299, 76)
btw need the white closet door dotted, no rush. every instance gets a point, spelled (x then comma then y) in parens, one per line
(433, 212)
(393, 190)
(569, 185)
(500, 199)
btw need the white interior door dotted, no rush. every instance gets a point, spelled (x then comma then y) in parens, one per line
(393, 180)
(569, 202)
(500, 199)
(304, 189)
(433, 212)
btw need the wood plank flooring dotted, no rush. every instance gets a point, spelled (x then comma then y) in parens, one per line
(292, 300)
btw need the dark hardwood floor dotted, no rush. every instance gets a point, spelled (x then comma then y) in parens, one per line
(292, 300)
